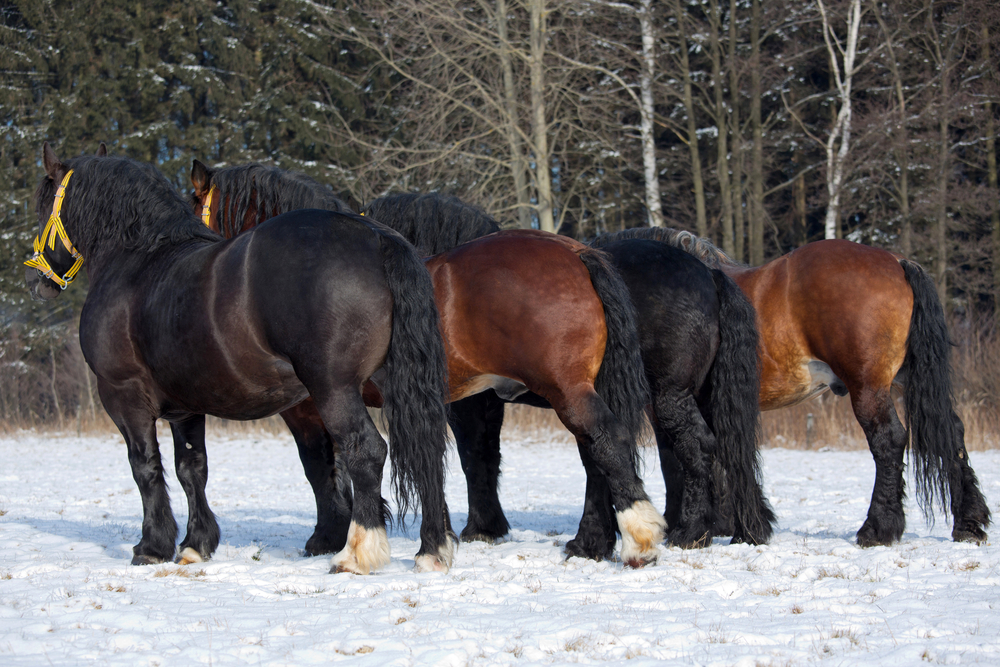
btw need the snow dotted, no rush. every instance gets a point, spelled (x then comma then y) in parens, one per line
(71, 513)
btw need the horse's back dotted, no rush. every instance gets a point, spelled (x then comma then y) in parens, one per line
(324, 267)
(677, 308)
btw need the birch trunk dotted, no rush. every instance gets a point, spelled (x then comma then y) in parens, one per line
(650, 171)
(543, 178)
(836, 156)
(518, 165)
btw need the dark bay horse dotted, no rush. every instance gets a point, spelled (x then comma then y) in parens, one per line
(179, 324)
(524, 314)
(856, 319)
(698, 343)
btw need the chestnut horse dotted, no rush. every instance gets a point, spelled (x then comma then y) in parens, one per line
(178, 324)
(521, 312)
(856, 319)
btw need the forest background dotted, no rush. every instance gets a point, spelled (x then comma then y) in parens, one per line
(762, 126)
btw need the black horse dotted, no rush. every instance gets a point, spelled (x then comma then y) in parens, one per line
(698, 344)
(698, 341)
(553, 350)
(179, 324)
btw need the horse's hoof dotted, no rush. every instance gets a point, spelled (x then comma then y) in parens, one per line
(318, 549)
(143, 559)
(684, 541)
(576, 548)
(478, 537)
(640, 562)
(187, 556)
(470, 534)
(429, 563)
(973, 534)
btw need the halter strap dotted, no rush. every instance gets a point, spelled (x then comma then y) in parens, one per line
(206, 208)
(54, 229)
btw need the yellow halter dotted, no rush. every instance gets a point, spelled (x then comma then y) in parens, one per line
(54, 229)
(206, 208)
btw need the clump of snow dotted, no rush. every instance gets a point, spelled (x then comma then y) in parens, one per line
(70, 513)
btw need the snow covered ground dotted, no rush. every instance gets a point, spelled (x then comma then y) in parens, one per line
(71, 513)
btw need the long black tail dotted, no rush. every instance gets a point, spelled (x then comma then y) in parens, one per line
(735, 411)
(621, 381)
(936, 433)
(415, 386)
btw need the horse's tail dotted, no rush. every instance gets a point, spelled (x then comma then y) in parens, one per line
(936, 432)
(621, 381)
(414, 388)
(735, 411)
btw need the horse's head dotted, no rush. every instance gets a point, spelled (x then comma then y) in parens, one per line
(204, 199)
(56, 261)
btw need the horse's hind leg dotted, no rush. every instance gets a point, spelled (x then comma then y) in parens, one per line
(191, 464)
(476, 423)
(681, 427)
(596, 536)
(968, 506)
(604, 438)
(323, 463)
(887, 442)
(347, 421)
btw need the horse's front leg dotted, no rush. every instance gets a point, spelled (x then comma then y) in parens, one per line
(191, 464)
(138, 426)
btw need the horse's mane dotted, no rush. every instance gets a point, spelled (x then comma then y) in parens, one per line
(117, 202)
(278, 191)
(433, 222)
(703, 249)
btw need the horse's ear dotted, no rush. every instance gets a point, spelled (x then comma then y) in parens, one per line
(201, 177)
(53, 165)
(349, 199)
(102, 150)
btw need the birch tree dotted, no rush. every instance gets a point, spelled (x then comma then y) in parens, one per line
(843, 58)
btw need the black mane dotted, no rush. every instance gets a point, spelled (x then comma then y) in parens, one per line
(118, 203)
(433, 222)
(279, 191)
(703, 249)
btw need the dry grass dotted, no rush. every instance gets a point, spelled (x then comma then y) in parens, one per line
(976, 366)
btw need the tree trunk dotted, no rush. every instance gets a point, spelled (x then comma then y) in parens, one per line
(518, 164)
(737, 143)
(543, 178)
(757, 155)
(701, 219)
(650, 172)
(841, 130)
(901, 146)
(991, 176)
(722, 154)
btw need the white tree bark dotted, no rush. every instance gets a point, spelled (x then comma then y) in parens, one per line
(646, 116)
(543, 177)
(836, 155)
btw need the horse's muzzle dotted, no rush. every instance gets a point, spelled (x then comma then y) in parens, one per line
(40, 288)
